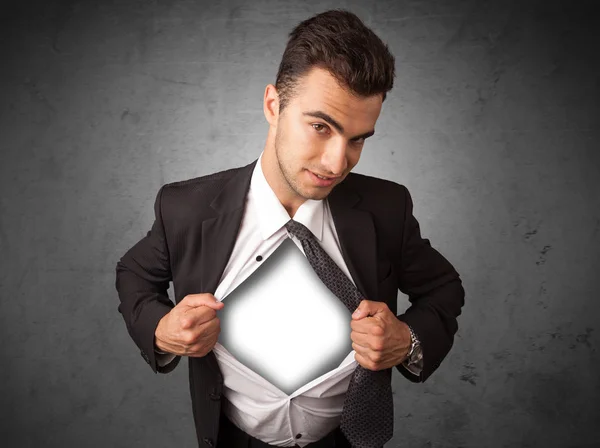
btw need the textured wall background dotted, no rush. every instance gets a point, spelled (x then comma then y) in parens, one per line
(493, 125)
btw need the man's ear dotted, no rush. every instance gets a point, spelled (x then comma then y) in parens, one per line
(271, 105)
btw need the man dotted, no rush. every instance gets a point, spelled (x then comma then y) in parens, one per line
(330, 87)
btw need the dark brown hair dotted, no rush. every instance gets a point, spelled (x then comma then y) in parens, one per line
(338, 41)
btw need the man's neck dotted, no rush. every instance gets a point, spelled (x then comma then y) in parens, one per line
(274, 178)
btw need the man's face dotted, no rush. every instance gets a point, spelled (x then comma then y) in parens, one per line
(322, 131)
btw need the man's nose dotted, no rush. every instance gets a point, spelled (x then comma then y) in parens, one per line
(334, 159)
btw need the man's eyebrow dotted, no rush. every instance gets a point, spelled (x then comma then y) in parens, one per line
(323, 116)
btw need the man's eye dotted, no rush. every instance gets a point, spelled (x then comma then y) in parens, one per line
(322, 126)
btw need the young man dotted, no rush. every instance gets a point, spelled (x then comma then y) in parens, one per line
(330, 87)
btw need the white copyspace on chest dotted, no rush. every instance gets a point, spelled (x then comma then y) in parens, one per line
(283, 323)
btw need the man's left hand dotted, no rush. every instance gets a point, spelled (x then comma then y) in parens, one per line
(380, 339)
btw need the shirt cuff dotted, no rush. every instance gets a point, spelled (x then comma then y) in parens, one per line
(162, 358)
(415, 369)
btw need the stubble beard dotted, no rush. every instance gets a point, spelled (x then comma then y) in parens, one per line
(287, 175)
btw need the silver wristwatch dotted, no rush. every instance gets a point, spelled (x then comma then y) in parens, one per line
(416, 352)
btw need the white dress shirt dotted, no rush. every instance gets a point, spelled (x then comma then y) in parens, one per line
(253, 403)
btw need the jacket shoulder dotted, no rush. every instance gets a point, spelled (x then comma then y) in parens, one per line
(188, 198)
(375, 188)
(203, 186)
(219, 177)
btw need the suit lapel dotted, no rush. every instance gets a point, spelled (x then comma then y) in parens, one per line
(218, 238)
(356, 233)
(219, 234)
(354, 227)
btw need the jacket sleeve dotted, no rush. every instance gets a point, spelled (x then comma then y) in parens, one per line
(435, 292)
(142, 280)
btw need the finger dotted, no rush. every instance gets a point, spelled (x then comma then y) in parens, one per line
(365, 361)
(370, 359)
(205, 344)
(369, 308)
(374, 344)
(364, 325)
(368, 342)
(359, 348)
(208, 335)
(195, 339)
(197, 316)
(204, 299)
(359, 312)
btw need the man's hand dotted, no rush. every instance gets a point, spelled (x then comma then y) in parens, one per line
(191, 328)
(380, 339)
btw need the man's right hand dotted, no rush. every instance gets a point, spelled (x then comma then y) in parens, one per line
(191, 328)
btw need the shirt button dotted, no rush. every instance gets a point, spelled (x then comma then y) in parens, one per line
(259, 258)
(298, 435)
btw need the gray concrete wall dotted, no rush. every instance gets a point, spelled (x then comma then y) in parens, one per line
(493, 125)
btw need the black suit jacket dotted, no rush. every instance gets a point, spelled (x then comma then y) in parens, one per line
(193, 235)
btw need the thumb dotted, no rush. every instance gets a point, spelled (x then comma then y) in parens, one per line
(204, 299)
(367, 308)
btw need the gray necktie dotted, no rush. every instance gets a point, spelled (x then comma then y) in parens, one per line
(368, 412)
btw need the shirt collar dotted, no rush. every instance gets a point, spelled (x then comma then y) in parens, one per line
(272, 215)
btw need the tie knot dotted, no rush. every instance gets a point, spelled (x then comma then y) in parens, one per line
(297, 229)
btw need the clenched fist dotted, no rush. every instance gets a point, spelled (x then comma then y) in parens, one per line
(191, 328)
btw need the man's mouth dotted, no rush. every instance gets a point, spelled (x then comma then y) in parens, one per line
(323, 177)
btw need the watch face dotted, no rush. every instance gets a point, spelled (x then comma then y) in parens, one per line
(417, 355)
